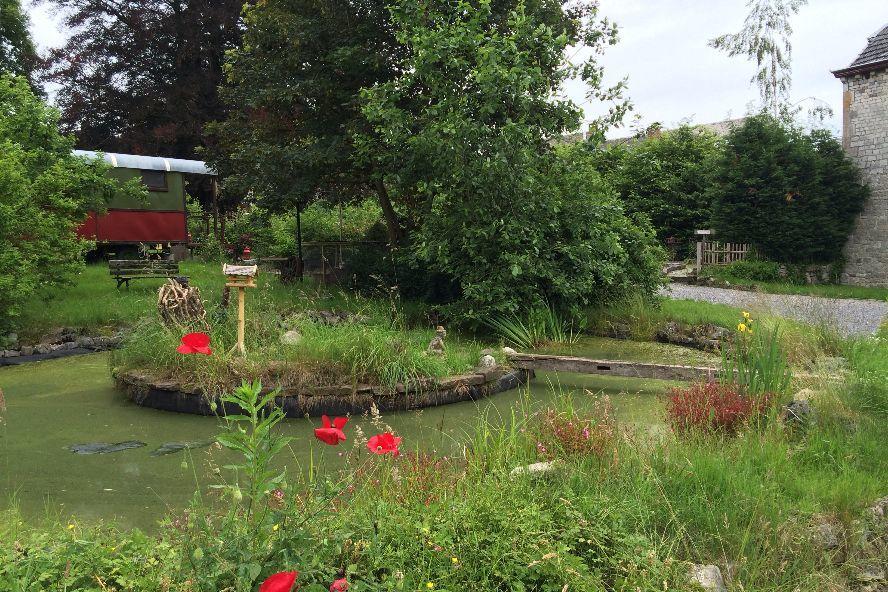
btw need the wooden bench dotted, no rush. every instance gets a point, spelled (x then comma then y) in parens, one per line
(124, 270)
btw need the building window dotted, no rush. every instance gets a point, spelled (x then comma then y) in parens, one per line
(155, 180)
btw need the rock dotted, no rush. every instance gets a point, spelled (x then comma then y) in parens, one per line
(708, 577)
(706, 337)
(487, 361)
(43, 348)
(55, 347)
(69, 345)
(509, 351)
(870, 574)
(798, 413)
(487, 351)
(27, 350)
(11, 353)
(86, 342)
(173, 447)
(829, 536)
(104, 447)
(291, 337)
(535, 469)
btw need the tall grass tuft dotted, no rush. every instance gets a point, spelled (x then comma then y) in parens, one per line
(755, 361)
(543, 325)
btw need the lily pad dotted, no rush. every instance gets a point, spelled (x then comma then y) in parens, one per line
(104, 447)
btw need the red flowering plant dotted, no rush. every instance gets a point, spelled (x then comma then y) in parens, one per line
(280, 582)
(195, 343)
(560, 433)
(385, 443)
(714, 407)
(331, 433)
(340, 585)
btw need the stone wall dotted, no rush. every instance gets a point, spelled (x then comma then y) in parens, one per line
(865, 139)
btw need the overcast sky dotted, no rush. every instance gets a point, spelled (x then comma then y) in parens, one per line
(673, 75)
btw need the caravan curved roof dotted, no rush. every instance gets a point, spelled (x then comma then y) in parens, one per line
(149, 163)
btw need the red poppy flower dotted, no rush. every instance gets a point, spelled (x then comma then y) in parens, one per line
(195, 343)
(331, 434)
(340, 585)
(279, 582)
(385, 443)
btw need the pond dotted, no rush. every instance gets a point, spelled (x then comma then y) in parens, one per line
(55, 404)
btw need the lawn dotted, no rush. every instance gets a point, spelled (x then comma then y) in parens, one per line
(822, 290)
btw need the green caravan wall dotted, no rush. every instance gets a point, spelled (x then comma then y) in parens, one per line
(159, 201)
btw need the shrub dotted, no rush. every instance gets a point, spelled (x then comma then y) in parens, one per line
(713, 407)
(665, 177)
(750, 269)
(794, 196)
(45, 192)
(567, 432)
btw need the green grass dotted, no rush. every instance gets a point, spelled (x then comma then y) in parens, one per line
(823, 290)
(623, 519)
(93, 302)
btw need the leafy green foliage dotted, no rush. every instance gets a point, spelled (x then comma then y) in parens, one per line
(764, 39)
(463, 137)
(793, 195)
(17, 53)
(755, 361)
(541, 326)
(45, 193)
(664, 177)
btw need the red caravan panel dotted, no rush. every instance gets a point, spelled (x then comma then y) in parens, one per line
(135, 226)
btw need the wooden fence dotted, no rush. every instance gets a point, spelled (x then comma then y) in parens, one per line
(711, 252)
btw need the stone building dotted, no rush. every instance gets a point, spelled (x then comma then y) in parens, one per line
(865, 137)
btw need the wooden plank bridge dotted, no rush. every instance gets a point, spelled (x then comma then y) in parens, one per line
(611, 367)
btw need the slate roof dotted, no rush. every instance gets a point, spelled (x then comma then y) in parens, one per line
(874, 56)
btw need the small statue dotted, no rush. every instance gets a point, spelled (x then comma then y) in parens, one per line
(436, 345)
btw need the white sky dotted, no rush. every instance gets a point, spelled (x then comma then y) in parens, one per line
(673, 75)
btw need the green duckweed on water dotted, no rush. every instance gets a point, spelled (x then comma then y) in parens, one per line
(57, 404)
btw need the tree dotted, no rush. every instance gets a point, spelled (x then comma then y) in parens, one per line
(292, 89)
(794, 196)
(294, 95)
(764, 39)
(142, 76)
(17, 54)
(45, 193)
(463, 139)
(665, 177)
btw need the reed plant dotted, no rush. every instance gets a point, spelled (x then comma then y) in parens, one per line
(542, 325)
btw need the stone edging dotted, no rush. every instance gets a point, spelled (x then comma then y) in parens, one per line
(335, 400)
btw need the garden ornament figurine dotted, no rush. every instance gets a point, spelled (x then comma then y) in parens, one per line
(436, 345)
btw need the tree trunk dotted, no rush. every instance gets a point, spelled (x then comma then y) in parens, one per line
(395, 232)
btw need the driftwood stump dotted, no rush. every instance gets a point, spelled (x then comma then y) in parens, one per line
(180, 305)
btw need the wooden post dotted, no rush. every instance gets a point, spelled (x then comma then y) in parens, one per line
(241, 321)
(240, 277)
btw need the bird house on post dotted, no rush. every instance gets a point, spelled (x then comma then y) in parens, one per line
(240, 277)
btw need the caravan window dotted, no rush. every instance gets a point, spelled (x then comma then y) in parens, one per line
(154, 180)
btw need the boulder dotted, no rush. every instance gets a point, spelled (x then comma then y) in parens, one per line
(86, 342)
(10, 353)
(706, 337)
(27, 350)
(509, 351)
(798, 413)
(43, 348)
(487, 361)
(707, 577)
(534, 470)
(291, 337)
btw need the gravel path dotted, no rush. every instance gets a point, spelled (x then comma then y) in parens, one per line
(849, 316)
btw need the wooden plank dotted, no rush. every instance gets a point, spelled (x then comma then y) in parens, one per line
(611, 367)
